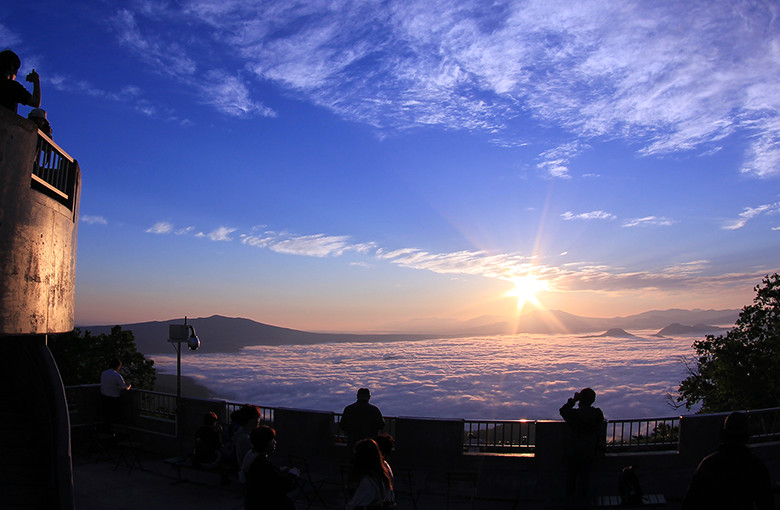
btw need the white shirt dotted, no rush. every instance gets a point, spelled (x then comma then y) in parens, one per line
(111, 383)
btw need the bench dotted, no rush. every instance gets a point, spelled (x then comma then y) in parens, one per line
(186, 462)
(647, 499)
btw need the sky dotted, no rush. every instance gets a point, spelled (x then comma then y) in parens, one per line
(357, 165)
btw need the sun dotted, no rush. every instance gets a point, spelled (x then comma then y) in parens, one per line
(525, 290)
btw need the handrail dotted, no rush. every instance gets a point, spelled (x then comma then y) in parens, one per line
(643, 434)
(506, 436)
(54, 170)
(157, 405)
(340, 437)
(266, 413)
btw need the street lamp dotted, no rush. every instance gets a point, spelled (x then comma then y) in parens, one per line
(177, 335)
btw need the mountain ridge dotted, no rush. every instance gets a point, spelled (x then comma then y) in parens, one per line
(230, 334)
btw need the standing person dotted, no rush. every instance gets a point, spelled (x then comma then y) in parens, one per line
(13, 93)
(732, 477)
(374, 486)
(361, 420)
(585, 423)
(112, 384)
(267, 485)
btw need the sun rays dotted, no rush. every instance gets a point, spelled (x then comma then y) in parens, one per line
(525, 290)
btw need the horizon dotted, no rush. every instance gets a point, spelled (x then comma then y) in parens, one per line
(430, 331)
(355, 167)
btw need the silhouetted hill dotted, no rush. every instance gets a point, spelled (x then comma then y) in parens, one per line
(614, 332)
(559, 322)
(678, 329)
(229, 334)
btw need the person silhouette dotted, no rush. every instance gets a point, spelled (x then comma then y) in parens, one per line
(361, 420)
(12, 93)
(585, 423)
(732, 477)
(112, 385)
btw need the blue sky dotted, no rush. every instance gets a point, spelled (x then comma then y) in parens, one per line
(357, 165)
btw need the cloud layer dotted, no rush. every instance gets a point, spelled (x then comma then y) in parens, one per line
(527, 376)
(666, 76)
(560, 274)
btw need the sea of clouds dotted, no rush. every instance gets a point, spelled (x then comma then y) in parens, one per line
(507, 377)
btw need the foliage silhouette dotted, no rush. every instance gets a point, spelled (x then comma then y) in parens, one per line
(81, 359)
(740, 370)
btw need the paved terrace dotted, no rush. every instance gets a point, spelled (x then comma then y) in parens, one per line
(101, 485)
(523, 468)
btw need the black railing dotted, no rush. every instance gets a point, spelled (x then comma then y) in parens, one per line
(54, 172)
(486, 436)
(499, 436)
(340, 437)
(643, 434)
(266, 413)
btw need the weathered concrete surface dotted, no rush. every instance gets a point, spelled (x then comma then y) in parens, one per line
(37, 240)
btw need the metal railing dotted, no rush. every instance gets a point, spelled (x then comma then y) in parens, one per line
(339, 437)
(764, 425)
(488, 436)
(54, 170)
(499, 436)
(266, 413)
(160, 406)
(643, 434)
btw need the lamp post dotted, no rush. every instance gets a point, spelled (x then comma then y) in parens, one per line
(177, 335)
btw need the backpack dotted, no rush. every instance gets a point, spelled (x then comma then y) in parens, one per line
(630, 490)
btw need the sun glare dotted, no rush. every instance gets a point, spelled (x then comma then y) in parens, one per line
(525, 290)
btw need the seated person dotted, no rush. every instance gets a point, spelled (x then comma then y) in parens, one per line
(375, 488)
(208, 442)
(249, 418)
(267, 485)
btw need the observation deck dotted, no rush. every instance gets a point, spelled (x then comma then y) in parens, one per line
(509, 463)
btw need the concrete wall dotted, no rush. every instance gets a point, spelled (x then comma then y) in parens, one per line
(37, 240)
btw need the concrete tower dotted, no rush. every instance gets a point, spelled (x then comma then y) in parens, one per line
(39, 201)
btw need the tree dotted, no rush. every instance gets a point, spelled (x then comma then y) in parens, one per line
(81, 359)
(740, 370)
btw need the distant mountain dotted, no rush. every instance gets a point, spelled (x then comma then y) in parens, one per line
(558, 322)
(230, 334)
(678, 329)
(614, 332)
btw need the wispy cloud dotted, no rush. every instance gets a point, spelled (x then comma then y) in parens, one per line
(230, 95)
(90, 219)
(628, 70)
(749, 213)
(161, 227)
(570, 276)
(318, 245)
(8, 36)
(168, 57)
(555, 162)
(648, 221)
(221, 234)
(592, 215)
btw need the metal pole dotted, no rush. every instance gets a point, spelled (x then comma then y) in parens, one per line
(178, 373)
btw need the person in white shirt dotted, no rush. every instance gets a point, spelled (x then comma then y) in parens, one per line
(112, 384)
